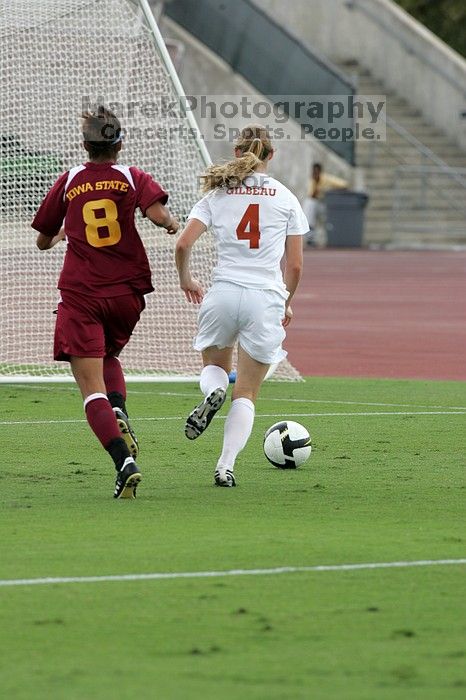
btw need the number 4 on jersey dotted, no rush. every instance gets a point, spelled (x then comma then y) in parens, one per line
(248, 227)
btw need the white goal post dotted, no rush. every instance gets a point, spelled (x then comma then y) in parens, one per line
(57, 58)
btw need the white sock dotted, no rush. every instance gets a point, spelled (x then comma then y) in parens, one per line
(213, 377)
(93, 397)
(238, 427)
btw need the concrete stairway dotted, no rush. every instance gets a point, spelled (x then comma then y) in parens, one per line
(428, 212)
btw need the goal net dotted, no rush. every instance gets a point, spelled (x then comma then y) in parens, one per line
(58, 57)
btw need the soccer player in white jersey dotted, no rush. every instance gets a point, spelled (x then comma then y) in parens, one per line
(255, 220)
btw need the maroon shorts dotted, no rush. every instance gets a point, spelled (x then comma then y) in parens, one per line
(92, 327)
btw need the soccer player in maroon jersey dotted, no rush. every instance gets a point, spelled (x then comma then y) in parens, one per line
(104, 279)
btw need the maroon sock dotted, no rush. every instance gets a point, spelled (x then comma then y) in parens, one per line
(101, 418)
(113, 377)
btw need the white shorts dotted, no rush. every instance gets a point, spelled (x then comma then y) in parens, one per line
(254, 317)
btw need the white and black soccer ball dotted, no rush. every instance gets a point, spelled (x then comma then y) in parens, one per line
(287, 444)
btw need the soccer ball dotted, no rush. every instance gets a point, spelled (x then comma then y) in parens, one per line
(287, 444)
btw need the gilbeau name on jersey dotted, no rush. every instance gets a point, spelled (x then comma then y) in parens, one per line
(245, 189)
(99, 185)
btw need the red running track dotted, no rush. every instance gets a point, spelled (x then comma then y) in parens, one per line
(380, 314)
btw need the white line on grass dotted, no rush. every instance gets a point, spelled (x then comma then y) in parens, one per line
(231, 572)
(181, 394)
(365, 403)
(366, 413)
(258, 415)
(342, 403)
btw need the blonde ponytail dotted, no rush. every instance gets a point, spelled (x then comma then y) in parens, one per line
(231, 173)
(255, 146)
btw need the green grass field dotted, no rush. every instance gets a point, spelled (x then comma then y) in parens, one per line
(385, 484)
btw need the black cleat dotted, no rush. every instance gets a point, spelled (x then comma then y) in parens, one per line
(127, 432)
(128, 478)
(224, 477)
(199, 419)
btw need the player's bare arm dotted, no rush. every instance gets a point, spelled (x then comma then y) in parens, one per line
(44, 242)
(293, 271)
(160, 215)
(190, 286)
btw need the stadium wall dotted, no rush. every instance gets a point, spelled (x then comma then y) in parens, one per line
(203, 73)
(398, 50)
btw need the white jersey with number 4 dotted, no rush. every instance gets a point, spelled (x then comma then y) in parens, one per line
(250, 223)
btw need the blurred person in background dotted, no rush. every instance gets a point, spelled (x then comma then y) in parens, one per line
(313, 206)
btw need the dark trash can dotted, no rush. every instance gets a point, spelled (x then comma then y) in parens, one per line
(344, 218)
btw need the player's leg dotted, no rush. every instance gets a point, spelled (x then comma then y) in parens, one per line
(121, 316)
(115, 386)
(213, 383)
(88, 372)
(240, 418)
(115, 383)
(260, 337)
(215, 339)
(79, 339)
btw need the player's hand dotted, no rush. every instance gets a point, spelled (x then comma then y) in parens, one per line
(59, 237)
(288, 316)
(45, 242)
(173, 226)
(193, 291)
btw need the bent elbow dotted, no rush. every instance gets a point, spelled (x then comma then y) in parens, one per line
(181, 246)
(296, 269)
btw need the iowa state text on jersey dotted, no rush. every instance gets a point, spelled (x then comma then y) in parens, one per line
(99, 185)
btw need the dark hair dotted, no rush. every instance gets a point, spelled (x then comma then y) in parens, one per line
(101, 133)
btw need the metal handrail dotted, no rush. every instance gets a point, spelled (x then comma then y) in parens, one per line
(424, 173)
(375, 17)
(431, 169)
(422, 149)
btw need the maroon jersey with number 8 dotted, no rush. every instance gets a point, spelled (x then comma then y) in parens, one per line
(105, 256)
